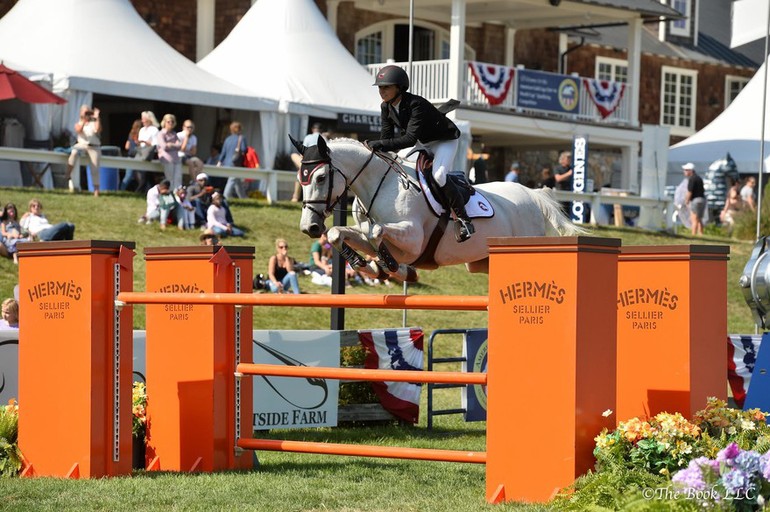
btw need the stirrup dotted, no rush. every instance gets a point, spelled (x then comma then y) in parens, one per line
(463, 229)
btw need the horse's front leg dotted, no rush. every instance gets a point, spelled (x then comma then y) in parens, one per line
(351, 242)
(399, 236)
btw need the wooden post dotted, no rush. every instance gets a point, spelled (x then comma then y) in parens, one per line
(551, 370)
(75, 358)
(672, 328)
(191, 358)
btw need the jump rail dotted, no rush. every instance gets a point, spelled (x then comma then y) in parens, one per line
(428, 302)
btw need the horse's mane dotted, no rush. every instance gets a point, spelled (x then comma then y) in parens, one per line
(345, 140)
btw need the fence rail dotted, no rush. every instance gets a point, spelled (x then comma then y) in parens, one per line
(271, 176)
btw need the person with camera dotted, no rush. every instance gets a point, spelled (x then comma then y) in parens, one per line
(87, 130)
(280, 270)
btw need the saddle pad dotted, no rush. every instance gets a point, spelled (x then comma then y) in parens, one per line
(477, 207)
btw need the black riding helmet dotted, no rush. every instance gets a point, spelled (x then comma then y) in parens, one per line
(392, 75)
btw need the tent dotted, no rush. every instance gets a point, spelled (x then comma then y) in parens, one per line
(286, 50)
(105, 47)
(737, 131)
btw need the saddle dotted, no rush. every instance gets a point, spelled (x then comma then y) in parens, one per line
(476, 205)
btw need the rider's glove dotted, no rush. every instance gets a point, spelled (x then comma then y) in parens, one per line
(374, 145)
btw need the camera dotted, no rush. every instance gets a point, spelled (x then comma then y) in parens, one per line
(260, 282)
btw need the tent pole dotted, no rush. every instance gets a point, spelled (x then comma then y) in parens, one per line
(761, 180)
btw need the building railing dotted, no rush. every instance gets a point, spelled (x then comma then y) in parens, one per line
(430, 79)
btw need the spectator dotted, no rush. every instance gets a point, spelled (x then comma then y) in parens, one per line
(233, 149)
(319, 265)
(10, 314)
(87, 130)
(209, 238)
(216, 220)
(280, 270)
(153, 202)
(39, 228)
(733, 204)
(168, 151)
(146, 147)
(167, 205)
(132, 141)
(747, 193)
(186, 211)
(546, 177)
(563, 177)
(513, 174)
(695, 199)
(11, 231)
(188, 153)
(199, 194)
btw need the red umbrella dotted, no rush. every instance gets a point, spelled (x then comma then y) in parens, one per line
(15, 86)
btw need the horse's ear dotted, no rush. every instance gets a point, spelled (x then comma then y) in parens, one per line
(297, 144)
(322, 147)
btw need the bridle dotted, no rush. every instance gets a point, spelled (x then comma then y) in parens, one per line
(329, 202)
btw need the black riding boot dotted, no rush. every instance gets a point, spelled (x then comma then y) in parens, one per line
(463, 227)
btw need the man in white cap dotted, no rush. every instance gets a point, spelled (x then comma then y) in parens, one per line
(695, 199)
(199, 193)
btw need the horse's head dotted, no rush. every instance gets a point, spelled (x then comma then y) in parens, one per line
(320, 189)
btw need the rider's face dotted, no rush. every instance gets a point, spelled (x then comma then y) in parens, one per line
(388, 92)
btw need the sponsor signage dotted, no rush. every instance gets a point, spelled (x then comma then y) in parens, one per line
(291, 402)
(179, 312)
(579, 181)
(532, 302)
(474, 397)
(547, 91)
(645, 308)
(359, 123)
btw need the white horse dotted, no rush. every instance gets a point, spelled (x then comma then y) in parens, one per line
(395, 224)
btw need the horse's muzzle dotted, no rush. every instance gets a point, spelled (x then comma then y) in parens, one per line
(313, 230)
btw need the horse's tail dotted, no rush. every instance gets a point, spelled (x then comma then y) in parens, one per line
(558, 222)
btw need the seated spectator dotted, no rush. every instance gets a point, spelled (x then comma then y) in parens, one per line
(319, 265)
(216, 220)
(186, 211)
(153, 202)
(199, 194)
(11, 231)
(37, 225)
(167, 205)
(280, 270)
(209, 238)
(10, 314)
(189, 150)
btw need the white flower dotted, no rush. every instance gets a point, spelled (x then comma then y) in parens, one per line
(607, 413)
(747, 424)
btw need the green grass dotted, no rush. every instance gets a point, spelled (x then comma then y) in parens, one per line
(285, 482)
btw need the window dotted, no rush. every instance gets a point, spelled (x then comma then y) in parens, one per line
(614, 70)
(390, 40)
(733, 85)
(369, 49)
(681, 27)
(679, 87)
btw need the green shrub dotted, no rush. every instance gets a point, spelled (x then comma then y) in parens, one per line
(10, 456)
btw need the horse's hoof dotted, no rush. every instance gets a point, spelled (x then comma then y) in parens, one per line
(411, 274)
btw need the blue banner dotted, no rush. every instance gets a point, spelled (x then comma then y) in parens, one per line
(547, 91)
(474, 398)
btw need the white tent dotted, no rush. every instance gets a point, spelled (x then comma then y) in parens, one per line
(737, 131)
(105, 47)
(286, 50)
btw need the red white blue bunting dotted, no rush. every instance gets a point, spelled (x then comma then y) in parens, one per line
(493, 80)
(606, 95)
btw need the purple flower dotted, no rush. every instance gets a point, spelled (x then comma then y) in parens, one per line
(692, 477)
(728, 454)
(737, 481)
(764, 465)
(748, 461)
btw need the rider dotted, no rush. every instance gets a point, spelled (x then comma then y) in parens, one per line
(419, 121)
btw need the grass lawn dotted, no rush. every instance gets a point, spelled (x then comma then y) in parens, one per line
(285, 482)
